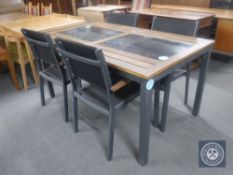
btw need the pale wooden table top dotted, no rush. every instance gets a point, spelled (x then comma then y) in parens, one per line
(104, 8)
(42, 23)
(136, 64)
(9, 17)
(172, 13)
(219, 13)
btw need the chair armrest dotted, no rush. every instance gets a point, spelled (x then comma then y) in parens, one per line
(120, 84)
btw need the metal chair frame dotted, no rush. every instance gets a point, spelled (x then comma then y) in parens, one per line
(165, 84)
(79, 92)
(42, 40)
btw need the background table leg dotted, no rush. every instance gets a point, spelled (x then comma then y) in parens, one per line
(201, 84)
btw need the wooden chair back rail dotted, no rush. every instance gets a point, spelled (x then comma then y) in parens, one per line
(12, 38)
(25, 8)
(34, 9)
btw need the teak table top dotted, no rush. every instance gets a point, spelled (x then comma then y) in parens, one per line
(127, 48)
(42, 23)
(172, 13)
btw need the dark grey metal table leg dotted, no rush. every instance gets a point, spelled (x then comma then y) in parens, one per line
(201, 84)
(145, 120)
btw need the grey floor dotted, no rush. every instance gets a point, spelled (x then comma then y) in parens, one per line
(35, 140)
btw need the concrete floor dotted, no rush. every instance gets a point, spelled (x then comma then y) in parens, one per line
(35, 140)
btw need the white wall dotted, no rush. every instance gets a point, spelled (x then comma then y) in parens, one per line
(9, 5)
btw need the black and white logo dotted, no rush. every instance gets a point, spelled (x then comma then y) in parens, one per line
(212, 154)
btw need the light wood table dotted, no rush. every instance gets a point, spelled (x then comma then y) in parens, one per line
(98, 13)
(42, 23)
(10, 17)
(224, 32)
(38, 23)
(135, 54)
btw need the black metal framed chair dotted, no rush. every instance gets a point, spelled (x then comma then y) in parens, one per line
(128, 19)
(105, 92)
(176, 26)
(49, 65)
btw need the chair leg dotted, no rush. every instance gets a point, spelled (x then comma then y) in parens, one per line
(75, 114)
(13, 74)
(42, 91)
(0, 68)
(65, 96)
(34, 72)
(165, 105)
(188, 67)
(111, 136)
(32, 64)
(51, 90)
(24, 75)
(155, 119)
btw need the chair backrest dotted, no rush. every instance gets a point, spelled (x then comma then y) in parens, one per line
(46, 10)
(84, 63)
(177, 26)
(12, 39)
(123, 19)
(43, 50)
(2, 37)
(25, 8)
(34, 9)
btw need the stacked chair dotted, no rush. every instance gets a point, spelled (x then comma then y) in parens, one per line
(38, 9)
(176, 26)
(46, 10)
